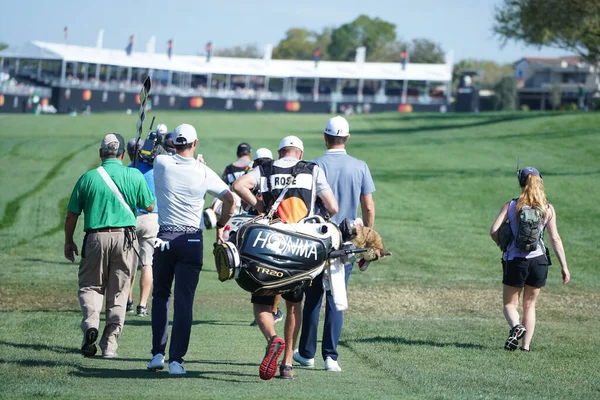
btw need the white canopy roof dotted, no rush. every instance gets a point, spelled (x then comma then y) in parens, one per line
(232, 66)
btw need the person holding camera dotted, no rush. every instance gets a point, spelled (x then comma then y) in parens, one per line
(147, 222)
(518, 230)
(108, 196)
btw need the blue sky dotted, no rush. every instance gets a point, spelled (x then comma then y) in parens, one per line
(460, 25)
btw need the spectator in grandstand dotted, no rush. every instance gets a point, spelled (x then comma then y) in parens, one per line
(525, 270)
(181, 184)
(298, 202)
(108, 197)
(351, 183)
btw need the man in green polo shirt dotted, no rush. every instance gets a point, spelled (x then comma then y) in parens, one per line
(109, 197)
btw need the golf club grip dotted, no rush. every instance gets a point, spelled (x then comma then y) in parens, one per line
(345, 252)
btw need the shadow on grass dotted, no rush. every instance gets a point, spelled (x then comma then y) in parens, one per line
(413, 342)
(141, 373)
(422, 174)
(148, 322)
(41, 347)
(441, 127)
(39, 260)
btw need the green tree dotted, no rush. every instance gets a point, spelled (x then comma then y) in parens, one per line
(3, 46)
(373, 33)
(505, 94)
(489, 72)
(426, 52)
(300, 44)
(570, 25)
(243, 51)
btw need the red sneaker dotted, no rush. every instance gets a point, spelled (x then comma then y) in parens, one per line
(268, 366)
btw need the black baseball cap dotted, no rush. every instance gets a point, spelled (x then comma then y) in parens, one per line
(243, 149)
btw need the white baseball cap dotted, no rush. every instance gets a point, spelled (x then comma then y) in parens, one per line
(161, 128)
(291, 141)
(337, 126)
(263, 153)
(184, 134)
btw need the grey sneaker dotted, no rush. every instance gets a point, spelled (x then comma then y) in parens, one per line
(129, 308)
(305, 362)
(142, 311)
(278, 316)
(512, 342)
(157, 362)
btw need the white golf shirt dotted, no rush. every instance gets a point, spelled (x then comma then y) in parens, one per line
(181, 185)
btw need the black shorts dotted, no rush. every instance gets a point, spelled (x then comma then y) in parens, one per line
(519, 272)
(295, 297)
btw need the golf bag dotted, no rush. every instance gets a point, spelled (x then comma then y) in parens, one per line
(273, 258)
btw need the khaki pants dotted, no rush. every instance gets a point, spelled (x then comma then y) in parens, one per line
(105, 271)
(146, 230)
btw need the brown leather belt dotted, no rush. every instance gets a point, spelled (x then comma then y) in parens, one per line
(106, 230)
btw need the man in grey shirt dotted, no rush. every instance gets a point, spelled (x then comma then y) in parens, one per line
(351, 182)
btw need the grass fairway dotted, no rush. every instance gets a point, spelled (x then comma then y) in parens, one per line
(424, 323)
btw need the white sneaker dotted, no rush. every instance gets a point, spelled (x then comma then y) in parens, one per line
(176, 368)
(332, 365)
(157, 362)
(305, 362)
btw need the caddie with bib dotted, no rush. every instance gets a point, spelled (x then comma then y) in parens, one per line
(518, 230)
(109, 197)
(289, 189)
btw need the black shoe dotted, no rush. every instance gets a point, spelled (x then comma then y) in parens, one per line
(525, 350)
(286, 372)
(512, 342)
(129, 308)
(142, 311)
(254, 323)
(88, 348)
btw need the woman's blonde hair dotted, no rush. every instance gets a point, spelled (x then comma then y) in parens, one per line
(533, 195)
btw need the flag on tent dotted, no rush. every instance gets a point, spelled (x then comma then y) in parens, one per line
(208, 51)
(317, 56)
(66, 32)
(129, 48)
(170, 48)
(404, 59)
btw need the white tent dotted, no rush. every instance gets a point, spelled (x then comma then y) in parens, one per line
(198, 65)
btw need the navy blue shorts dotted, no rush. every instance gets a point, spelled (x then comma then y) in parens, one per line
(519, 272)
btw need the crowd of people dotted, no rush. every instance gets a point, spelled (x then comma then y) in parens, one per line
(150, 215)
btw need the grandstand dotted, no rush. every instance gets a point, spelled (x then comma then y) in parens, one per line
(55, 70)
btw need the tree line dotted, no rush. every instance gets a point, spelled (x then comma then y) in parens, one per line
(340, 44)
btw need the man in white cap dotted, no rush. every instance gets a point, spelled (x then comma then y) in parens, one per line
(303, 182)
(181, 184)
(351, 182)
(109, 197)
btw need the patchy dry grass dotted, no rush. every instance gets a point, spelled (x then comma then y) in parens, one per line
(436, 301)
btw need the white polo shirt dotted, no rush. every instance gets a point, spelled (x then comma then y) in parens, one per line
(181, 185)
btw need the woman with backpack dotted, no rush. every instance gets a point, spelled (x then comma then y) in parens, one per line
(518, 230)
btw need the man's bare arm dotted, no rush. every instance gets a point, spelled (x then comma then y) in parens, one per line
(367, 207)
(70, 250)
